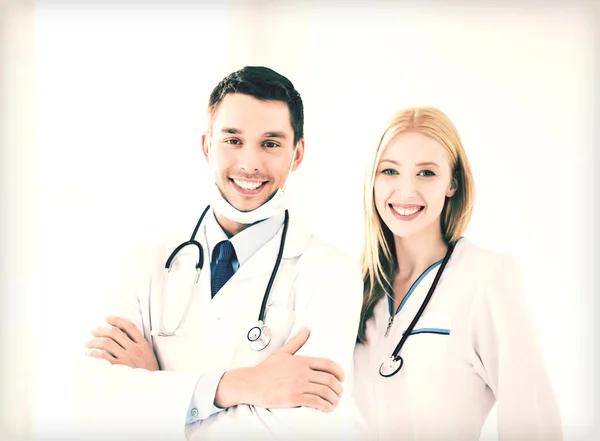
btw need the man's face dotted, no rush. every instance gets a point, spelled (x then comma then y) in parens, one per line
(250, 148)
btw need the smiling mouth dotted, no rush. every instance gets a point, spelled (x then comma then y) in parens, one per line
(247, 187)
(406, 212)
(403, 211)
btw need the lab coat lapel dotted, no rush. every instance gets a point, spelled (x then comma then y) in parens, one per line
(263, 261)
(205, 276)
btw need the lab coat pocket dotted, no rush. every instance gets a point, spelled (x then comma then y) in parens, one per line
(281, 321)
(427, 345)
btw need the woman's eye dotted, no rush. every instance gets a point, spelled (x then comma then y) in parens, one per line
(426, 173)
(389, 171)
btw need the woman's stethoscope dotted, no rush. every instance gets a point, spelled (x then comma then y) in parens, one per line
(259, 336)
(390, 367)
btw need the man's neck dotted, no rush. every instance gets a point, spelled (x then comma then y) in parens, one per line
(230, 227)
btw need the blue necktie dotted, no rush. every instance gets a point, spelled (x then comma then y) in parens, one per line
(223, 269)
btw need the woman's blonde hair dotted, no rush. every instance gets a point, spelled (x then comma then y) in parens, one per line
(379, 264)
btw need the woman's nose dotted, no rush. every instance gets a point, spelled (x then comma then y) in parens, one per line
(406, 187)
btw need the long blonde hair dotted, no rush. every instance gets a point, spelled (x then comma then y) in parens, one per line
(379, 264)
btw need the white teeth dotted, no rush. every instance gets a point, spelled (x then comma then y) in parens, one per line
(406, 211)
(248, 185)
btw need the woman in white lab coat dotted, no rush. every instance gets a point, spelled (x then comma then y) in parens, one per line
(474, 343)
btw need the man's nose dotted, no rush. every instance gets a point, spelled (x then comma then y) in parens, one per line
(249, 159)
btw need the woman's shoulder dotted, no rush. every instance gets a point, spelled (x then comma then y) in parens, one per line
(482, 261)
(498, 281)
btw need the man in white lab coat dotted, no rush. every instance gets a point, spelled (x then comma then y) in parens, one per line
(207, 381)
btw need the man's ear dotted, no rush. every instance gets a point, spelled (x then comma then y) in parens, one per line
(299, 155)
(205, 145)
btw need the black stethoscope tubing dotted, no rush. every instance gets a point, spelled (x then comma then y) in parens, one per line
(258, 335)
(395, 361)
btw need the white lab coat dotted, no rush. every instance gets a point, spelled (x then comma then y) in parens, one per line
(316, 286)
(449, 383)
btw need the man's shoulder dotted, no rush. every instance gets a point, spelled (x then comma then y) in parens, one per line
(324, 255)
(327, 271)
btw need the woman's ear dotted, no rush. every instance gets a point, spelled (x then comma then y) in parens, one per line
(452, 188)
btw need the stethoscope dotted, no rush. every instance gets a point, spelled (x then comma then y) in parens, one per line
(391, 366)
(259, 336)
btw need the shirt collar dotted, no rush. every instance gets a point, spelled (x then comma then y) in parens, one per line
(247, 242)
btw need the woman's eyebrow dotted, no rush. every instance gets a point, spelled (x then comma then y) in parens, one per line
(427, 164)
(420, 164)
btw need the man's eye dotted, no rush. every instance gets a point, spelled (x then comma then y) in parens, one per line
(270, 144)
(233, 141)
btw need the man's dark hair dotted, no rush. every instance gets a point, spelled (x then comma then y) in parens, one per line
(264, 84)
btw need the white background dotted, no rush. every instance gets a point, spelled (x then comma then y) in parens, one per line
(120, 98)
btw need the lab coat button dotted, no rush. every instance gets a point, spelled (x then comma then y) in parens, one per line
(194, 412)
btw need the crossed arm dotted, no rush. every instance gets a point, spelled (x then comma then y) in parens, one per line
(283, 380)
(291, 393)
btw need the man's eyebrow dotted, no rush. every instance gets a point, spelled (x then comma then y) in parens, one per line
(275, 134)
(269, 134)
(231, 131)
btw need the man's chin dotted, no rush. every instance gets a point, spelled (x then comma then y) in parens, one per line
(246, 204)
(242, 205)
(245, 208)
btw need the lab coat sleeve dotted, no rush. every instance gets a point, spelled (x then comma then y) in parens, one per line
(508, 357)
(328, 300)
(118, 402)
(202, 405)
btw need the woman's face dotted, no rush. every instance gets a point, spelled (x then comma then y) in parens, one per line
(412, 181)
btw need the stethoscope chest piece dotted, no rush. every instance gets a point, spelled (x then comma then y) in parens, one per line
(259, 337)
(391, 366)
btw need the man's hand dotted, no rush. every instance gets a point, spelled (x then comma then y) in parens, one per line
(122, 343)
(284, 380)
